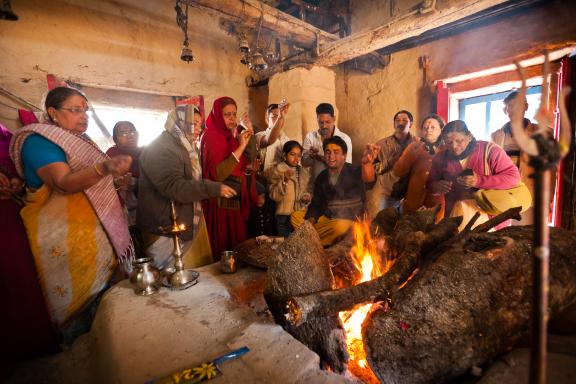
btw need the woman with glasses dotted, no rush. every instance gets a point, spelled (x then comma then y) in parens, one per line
(125, 137)
(466, 166)
(227, 151)
(76, 226)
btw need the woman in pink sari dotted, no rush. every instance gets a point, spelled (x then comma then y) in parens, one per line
(226, 155)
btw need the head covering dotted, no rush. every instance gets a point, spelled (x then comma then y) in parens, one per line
(221, 143)
(174, 126)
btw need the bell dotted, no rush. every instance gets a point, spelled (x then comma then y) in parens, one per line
(243, 46)
(6, 11)
(186, 54)
(270, 55)
(245, 59)
(258, 62)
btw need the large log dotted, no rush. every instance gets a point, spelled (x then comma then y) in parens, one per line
(467, 307)
(410, 245)
(301, 267)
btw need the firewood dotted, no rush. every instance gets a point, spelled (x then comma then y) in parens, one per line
(304, 307)
(468, 306)
(301, 266)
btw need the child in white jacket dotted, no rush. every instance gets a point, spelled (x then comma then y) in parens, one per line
(289, 186)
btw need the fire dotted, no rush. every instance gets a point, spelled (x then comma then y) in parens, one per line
(366, 260)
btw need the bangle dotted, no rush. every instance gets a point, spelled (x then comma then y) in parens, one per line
(98, 172)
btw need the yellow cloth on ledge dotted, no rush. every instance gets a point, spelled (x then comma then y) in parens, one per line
(329, 230)
(73, 255)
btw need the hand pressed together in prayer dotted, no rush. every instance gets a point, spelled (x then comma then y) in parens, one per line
(306, 197)
(226, 191)
(370, 153)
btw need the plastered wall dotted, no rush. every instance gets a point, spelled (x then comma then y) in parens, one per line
(125, 44)
(367, 103)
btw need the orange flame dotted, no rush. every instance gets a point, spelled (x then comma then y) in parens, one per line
(366, 260)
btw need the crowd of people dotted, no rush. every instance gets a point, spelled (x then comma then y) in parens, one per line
(83, 210)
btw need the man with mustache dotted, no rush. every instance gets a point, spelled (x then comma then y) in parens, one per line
(391, 148)
(313, 154)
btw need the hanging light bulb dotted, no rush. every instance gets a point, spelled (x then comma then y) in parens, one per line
(258, 62)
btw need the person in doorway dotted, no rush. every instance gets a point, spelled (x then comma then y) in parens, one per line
(125, 137)
(504, 138)
(339, 195)
(313, 154)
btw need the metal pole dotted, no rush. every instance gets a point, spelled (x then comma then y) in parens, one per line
(540, 278)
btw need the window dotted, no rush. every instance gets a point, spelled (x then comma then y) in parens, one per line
(485, 114)
(148, 123)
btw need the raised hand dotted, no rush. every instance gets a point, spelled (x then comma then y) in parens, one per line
(370, 153)
(246, 122)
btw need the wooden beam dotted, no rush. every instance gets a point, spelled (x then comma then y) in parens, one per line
(498, 78)
(247, 13)
(408, 26)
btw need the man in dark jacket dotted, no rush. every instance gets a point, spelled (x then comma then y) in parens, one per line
(339, 192)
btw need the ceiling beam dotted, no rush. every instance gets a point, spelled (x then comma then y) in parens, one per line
(403, 28)
(247, 13)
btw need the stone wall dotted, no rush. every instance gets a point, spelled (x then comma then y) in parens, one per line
(125, 44)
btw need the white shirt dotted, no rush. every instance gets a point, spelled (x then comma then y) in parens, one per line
(272, 154)
(314, 140)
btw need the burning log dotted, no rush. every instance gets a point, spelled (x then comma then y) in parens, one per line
(300, 266)
(468, 306)
(410, 245)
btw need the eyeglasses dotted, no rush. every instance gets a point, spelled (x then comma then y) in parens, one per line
(76, 111)
(128, 133)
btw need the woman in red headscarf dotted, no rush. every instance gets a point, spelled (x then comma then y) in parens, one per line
(227, 152)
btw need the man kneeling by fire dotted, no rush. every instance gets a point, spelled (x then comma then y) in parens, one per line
(339, 192)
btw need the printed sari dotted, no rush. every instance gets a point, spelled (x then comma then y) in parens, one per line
(73, 237)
